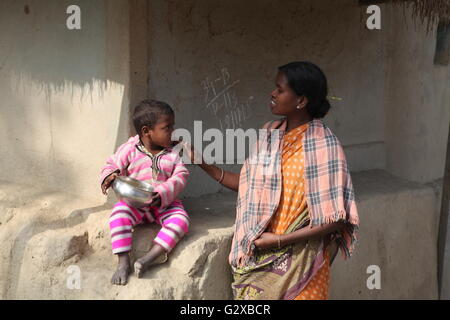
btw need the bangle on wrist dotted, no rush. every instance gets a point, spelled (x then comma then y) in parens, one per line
(221, 176)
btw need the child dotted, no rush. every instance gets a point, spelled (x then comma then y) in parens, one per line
(148, 157)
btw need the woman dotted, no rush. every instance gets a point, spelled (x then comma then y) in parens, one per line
(295, 208)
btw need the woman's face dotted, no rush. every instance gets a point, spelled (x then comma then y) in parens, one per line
(284, 100)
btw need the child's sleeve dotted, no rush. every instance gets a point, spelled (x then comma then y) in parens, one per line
(169, 189)
(117, 162)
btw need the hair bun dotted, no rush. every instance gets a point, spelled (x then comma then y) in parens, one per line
(323, 108)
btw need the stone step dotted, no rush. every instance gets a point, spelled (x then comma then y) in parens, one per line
(48, 239)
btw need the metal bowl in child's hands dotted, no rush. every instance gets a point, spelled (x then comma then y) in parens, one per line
(133, 192)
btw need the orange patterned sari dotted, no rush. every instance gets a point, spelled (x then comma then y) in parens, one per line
(293, 203)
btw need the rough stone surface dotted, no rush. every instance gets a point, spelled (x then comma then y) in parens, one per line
(45, 234)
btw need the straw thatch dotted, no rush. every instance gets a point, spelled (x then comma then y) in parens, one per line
(429, 12)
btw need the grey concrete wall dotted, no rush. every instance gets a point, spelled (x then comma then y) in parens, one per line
(63, 92)
(398, 234)
(237, 46)
(417, 100)
(70, 89)
(394, 113)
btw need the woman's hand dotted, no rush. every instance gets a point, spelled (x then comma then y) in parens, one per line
(267, 240)
(229, 179)
(192, 154)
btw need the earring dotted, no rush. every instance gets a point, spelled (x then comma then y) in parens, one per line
(298, 107)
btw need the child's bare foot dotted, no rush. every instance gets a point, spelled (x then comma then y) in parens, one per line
(155, 256)
(120, 277)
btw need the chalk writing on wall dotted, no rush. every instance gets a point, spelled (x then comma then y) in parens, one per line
(222, 101)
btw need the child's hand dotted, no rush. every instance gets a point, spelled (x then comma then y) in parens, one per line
(156, 200)
(108, 181)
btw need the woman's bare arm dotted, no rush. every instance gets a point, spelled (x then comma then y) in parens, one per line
(307, 233)
(230, 179)
(269, 240)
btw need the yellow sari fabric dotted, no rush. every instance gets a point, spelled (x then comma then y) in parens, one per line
(293, 203)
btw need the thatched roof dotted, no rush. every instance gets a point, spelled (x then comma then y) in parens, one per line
(428, 11)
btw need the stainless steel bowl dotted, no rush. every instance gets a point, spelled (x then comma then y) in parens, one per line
(133, 192)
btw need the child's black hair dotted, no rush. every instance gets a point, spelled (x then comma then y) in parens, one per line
(307, 79)
(147, 113)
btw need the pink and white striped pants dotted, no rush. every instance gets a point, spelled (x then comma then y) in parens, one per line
(174, 221)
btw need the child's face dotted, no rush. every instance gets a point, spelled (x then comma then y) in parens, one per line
(161, 132)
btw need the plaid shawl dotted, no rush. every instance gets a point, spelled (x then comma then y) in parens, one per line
(328, 188)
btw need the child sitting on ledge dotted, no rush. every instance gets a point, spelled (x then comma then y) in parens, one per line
(148, 157)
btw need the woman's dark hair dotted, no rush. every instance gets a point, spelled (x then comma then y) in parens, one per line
(306, 79)
(147, 113)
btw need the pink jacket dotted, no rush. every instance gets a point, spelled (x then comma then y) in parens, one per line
(165, 171)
